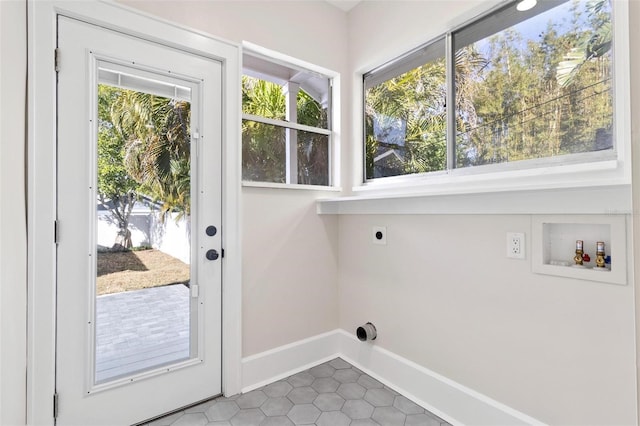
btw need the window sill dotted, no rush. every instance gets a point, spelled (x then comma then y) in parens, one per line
(270, 185)
(597, 188)
(605, 199)
(498, 178)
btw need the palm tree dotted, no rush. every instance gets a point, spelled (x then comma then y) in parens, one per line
(415, 102)
(418, 99)
(263, 146)
(592, 45)
(158, 147)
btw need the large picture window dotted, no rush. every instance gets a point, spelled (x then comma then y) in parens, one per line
(529, 87)
(286, 128)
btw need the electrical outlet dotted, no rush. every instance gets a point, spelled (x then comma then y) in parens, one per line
(515, 245)
(379, 235)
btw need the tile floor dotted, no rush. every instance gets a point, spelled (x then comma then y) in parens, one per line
(330, 394)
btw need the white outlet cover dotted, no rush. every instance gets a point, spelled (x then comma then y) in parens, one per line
(374, 236)
(511, 236)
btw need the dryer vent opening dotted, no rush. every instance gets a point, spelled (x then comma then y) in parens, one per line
(366, 332)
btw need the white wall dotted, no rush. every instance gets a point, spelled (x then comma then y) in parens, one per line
(13, 234)
(168, 235)
(289, 269)
(443, 294)
(171, 236)
(289, 253)
(139, 226)
(634, 34)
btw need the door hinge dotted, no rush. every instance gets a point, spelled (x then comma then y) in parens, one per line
(55, 405)
(56, 230)
(56, 59)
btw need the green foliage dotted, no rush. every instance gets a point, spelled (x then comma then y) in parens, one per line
(157, 148)
(591, 45)
(310, 112)
(264, 145)
(116, 188)
(263, 98)
(143, 148)
(113, 179)
(416, 99)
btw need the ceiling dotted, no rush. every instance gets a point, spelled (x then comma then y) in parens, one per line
(345, 5)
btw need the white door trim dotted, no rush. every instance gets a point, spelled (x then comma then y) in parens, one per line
(41, 185)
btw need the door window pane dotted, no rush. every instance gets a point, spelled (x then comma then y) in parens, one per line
(143, 304)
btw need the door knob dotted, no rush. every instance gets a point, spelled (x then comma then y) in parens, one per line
(212, 254)
(211, 230)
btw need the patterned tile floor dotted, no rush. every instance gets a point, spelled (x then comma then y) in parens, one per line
(330, 394)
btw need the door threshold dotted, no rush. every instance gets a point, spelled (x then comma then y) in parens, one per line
(177, 410)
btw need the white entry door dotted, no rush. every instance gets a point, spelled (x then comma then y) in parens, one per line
(139, 256)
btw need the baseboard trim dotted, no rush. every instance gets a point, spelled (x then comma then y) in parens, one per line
(275, 364)
(452, 401)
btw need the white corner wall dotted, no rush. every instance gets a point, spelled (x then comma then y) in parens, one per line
(13, 228)
(290, 263)
(443, 295)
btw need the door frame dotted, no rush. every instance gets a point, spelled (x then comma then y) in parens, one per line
(41, 303)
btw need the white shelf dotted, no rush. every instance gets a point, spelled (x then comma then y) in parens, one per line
(614, 199)
(554, 239)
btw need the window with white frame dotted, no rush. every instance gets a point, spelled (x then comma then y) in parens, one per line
(517, 88)
(286, 123)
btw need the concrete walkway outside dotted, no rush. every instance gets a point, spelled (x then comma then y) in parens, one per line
(142, 329)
